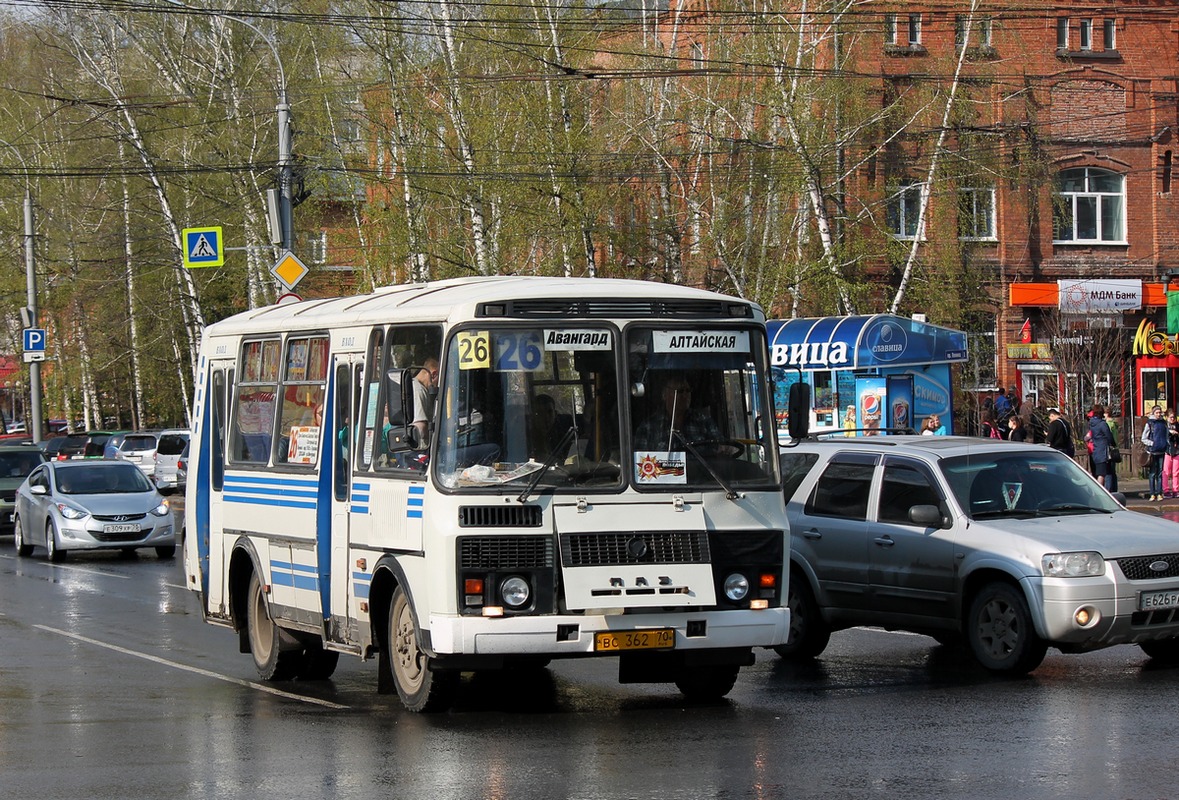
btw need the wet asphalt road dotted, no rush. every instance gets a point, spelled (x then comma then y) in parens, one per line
(111, 686)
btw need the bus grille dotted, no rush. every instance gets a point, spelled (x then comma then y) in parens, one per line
(499, 516)
(1138, 568)
(634, 547)
(505, 552)
(621, 307)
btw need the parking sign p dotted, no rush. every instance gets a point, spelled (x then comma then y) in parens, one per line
(35, 339)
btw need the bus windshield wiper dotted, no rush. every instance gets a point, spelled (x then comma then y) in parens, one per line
(729, 493)
(560, 447)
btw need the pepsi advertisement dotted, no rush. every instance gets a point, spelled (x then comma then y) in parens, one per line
(900, 402)
(871, 398)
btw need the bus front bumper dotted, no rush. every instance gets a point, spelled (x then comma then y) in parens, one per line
(574, 635)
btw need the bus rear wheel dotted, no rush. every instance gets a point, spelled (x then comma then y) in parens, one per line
(420, 688)
(268, 641)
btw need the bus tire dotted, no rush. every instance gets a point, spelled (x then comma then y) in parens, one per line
(266, 638)
(421, 688)
(706, 684)
(317, 663)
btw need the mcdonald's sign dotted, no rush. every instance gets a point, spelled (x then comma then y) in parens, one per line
(1151, 342)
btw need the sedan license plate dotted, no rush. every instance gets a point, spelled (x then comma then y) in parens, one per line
(653, 639)
(1158, 601)
(123, 528)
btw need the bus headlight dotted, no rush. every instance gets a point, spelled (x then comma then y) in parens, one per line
(736, 587)
(515, 591)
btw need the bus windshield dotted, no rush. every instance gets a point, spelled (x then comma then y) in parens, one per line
(696, 411)
(518, 401)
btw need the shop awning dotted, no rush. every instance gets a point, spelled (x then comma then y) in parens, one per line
(862, 342)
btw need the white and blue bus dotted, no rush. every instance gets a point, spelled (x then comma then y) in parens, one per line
(486, 473)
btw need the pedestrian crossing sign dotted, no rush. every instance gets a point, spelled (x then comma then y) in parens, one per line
(202, 247)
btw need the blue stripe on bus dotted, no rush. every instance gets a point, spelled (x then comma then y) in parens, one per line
(359, 509)
(417, 502)
(293, 575)
(262, 501)
(360, 590)
(417, 489)
(272, 481)
(411, 514)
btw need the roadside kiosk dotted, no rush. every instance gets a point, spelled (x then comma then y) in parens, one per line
(894, 371)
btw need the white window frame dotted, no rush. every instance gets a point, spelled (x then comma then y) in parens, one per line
(903, 210)
(1062, 32)
(890, 28)
(1110, 31)
(981, 198)
(1086, 34)
(1098, 199)
(914, 29)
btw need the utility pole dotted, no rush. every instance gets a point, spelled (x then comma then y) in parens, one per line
(31, 281)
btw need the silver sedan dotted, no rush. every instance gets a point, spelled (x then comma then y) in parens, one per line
(91, 505)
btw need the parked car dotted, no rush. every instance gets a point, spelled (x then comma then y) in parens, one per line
(182, 466)
(111, 446)
(91, 505)
(1005, 547)
(95, 446)
(61, 448)
(140, 449)
(16, 462)
(168, 450)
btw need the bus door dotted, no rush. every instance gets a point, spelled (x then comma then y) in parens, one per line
(347, 377)
(210, 476)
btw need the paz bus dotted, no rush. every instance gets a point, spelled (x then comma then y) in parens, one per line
(488, 473)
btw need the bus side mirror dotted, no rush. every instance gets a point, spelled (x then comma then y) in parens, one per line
(799, 422)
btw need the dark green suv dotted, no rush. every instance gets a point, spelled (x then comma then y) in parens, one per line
(16, 462)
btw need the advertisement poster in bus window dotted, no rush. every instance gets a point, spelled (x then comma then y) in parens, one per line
(304, 446)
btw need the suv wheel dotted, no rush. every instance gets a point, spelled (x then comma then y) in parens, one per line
(809, 633)
(1000, 631)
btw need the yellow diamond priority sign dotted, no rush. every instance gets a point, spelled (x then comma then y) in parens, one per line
(289, 270)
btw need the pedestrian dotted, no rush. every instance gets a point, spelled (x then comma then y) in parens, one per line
(1100, 438)
(1060, 433)
(849, 421)
(939, 429)
(1002, 405)
(1171, 460)
(927, 426)
(1017, 432)
(989, 428)
(1154, 437)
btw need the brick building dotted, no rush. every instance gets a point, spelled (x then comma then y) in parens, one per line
(1073, 251)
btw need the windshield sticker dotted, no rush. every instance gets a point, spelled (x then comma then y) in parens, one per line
(660, 467)
(576, 340)
(474, 349)
(700, 341)
(518, 351)
(1011, 494)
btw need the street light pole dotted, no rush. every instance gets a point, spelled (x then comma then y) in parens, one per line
(285, 159)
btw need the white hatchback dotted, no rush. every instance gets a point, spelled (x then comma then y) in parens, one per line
(140, 449)
(169, 451)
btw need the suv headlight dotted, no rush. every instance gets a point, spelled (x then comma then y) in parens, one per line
(1073, 565)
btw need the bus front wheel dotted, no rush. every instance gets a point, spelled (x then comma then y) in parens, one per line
(421, 688)
(707, 684)
(273, 661)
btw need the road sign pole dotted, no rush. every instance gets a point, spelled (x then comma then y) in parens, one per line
(31, 280)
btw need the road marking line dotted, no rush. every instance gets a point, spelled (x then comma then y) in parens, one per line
(196, 670)
(70, 568)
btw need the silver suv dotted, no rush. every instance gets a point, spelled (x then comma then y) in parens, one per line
(1010, 547)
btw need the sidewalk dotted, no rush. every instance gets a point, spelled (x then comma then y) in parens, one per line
(1134, 489)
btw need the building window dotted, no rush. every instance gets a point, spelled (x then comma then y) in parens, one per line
(1090, 207)
(981, 28)
(890, 28)
(317, 247)
(976, 213)
(1110, 29)
(697, 55)
(914, 29)
(1062, 25)
(904, 209)
(1086, 34)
